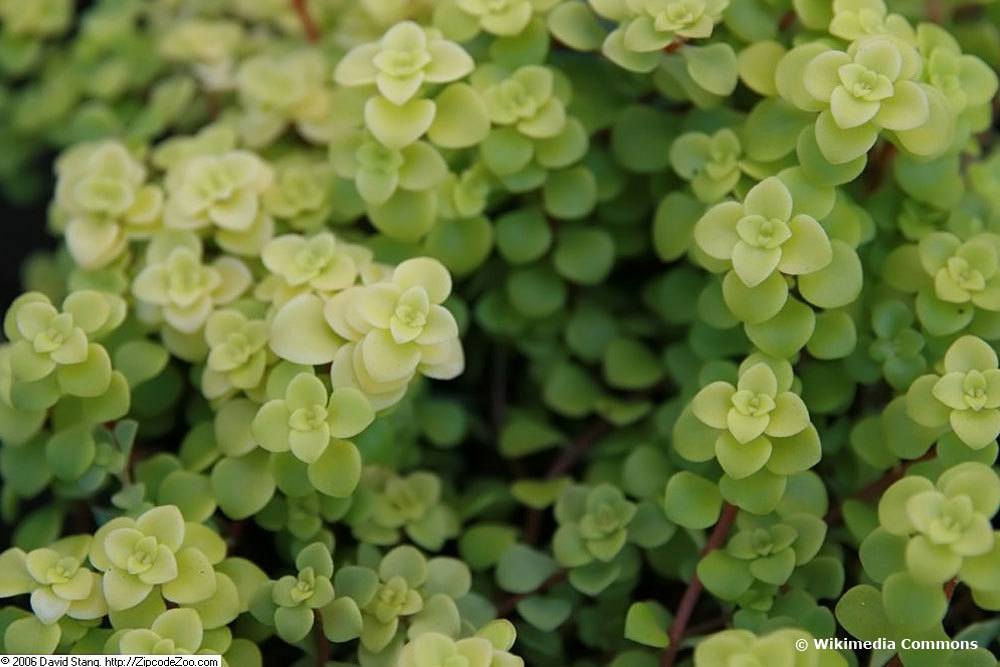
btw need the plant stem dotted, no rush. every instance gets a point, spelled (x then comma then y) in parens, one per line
(694, 588)
(934, 10)
(708, 626)
(572, 453)
(878, 167)
(875, 490)
(576, 449)
(675, 45)
(322, 643)
(312, 32)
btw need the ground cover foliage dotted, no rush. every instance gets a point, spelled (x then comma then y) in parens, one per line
(484, 333)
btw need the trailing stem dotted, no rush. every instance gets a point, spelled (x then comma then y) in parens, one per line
(570, 455)
(322, 643)
(308, 25)
(690, 598)
(875, 490)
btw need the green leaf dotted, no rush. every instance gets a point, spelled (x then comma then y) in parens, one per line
(406, 216)
(125, 432)
(529, 46)
(439, 615)
(835, 336)
(536, 291)
(861, 613)
(724, 576)
(25, 468)
(570, 391)
(692, 501)
(244, 485)
(882, 554)
(545, 613)
(523, 235)
(461, 245)
(983, 632)
(574, 24)
(522, 569)
(299, 333)
(774, 569)
(293, 623)
(913, 605)
(189, 491)
(673, 225)
(30, 636)
(357, 583)
(71, 452)
(195, 580)
(650, 527)
(90, 377)
(538, 494)
(480, 545)
(787, 332)
(113, 404)
(18, 426)
(641, 138)
(342, 621)
(839, 283)
(584, 256)
(713, 67)
(140, 360)
(629, 364)
(524, 434)
(338, 469)
(222, 607)
(461, 119)
(759, 493)
(820, 170)
(758, 304)
(570, 194)
(592, 579)
(772, 128)
(646, 623)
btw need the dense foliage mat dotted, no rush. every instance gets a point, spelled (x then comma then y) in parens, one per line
(484, 333)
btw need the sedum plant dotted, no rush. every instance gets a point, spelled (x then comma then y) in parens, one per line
(965, 395)
(57, 580)
(492, 333)
(947, 523)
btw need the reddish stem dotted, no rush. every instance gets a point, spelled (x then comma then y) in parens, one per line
(675, 45)
(322, 643)
(935, 11)
(572, 453)
(879, 166)
(875, 490)
(576, 449)
(694, 588)
(949, 587)
(312, 32)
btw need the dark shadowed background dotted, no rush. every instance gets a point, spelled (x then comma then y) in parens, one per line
(23, 232)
